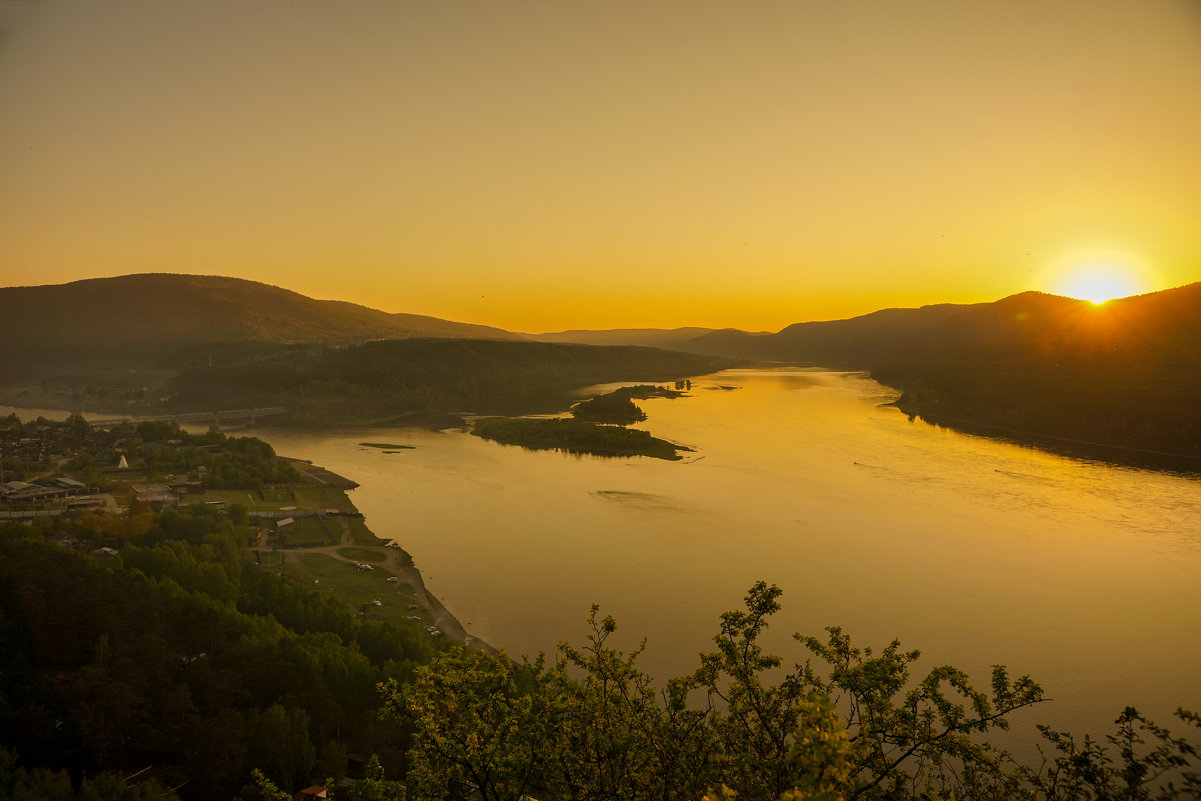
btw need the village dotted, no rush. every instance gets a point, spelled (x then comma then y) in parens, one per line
(91, 489)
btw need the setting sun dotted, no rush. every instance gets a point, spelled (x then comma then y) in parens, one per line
(1100, 288)
(1099, 281)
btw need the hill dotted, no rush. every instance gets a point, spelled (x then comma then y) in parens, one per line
(115, 322)
(144, 344)
(414, 378)
(1120, 375)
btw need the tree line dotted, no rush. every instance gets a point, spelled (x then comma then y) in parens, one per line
(181, 654)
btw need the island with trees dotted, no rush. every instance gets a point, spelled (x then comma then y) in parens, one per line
(618, 406)
(597, 427)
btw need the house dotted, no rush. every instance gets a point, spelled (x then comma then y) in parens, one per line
(20, 491)
(159, 494)
(71, 485)
(311, 793)
(66, 539)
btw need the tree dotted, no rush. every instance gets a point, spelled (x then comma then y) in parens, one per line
(917, 738)
(592, 725)
(774, 738)
(285, 751)
(615, 735)
(76, 430)
(373, 786)
(474, 729)
(1150, 762)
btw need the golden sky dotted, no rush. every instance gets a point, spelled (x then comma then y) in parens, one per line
(548, 165)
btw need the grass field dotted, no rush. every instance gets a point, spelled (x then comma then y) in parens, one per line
(301, 498)
(363, 554)
(246, 498)
(306, 530)
(322, 498)
(282, 495)
(356, 588)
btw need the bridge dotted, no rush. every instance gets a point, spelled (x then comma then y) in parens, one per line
(215, 418)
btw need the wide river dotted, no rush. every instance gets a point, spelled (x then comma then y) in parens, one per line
(1084, 575)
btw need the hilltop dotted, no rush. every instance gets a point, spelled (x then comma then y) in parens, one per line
(129, 320)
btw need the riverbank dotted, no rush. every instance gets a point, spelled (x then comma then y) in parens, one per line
(329, 547)
(1126, 456)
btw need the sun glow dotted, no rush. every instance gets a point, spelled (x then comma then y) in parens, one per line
(1100, 288)
(1098, 281)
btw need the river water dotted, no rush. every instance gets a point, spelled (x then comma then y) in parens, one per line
(1084, 575)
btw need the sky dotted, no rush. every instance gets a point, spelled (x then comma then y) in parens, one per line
(540, 166)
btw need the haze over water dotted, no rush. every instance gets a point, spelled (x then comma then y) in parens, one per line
(1084, 575)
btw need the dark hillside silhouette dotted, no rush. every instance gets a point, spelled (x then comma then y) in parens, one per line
(1125, 374)
(378, 381)
(133, 318)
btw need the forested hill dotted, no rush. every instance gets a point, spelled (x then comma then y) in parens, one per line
(380, 381)
(133, 318)
(1122, 374)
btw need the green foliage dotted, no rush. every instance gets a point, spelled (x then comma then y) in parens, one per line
(592, 725)
(158, 431)
(912, 738)
(280, 744)
(474, 727)
(1150, 761)
(373, 786)
(181, 654)
(76, 430)
(40, 784)
(248, 462)
(773, 738)
(266, 789)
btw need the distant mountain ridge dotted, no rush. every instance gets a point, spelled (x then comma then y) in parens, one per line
(194, 308)
(662, 338)
(647, 337)
(111, 323)
(1125, 374)
(1029, 325)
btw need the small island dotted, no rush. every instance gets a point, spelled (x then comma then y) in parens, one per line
(576, 436)
(618, 406)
